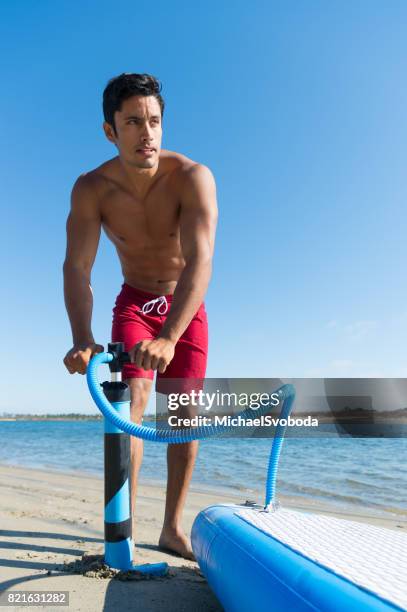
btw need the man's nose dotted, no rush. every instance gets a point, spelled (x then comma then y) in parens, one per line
(147, 131)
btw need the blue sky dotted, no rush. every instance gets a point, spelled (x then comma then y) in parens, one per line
(299, 109)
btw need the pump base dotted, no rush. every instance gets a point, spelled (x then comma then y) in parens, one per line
(154, 569)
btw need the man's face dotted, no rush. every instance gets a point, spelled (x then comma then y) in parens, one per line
(138, 131)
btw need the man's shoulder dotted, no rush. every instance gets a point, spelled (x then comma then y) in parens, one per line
(174, 162)
(195, 185)
(102, 172)
(185, 169)
(95, 180)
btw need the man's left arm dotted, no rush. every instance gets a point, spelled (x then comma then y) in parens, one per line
(198, 217)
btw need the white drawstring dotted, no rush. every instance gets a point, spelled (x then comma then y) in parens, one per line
(161, 301)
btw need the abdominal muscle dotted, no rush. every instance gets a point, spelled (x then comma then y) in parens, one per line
(158, 273)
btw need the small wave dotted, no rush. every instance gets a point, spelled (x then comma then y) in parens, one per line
(308, 491)
(359, 484)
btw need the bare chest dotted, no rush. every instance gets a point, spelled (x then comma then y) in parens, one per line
(134, 224)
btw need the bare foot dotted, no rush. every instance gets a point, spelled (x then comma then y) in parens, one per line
(176, 541)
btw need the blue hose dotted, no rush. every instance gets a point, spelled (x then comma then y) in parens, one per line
(286, 395)
(276, 450)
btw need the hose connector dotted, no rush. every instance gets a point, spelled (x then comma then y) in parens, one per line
(120, 357)
(273, 506)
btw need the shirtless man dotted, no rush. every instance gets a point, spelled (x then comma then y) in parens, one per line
(159, 209)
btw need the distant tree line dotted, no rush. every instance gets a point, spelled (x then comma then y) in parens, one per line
(73, 416)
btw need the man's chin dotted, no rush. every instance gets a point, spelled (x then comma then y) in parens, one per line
(146, 163)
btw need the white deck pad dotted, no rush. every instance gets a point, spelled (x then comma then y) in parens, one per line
(371, 557)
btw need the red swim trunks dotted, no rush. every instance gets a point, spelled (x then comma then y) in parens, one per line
(138, 315)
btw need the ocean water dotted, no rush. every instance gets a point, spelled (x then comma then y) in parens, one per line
(346, 472)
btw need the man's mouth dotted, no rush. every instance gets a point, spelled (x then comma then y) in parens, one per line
(145, 152)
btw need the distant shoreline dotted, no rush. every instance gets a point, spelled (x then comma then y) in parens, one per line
(62, 417)
(26, 417)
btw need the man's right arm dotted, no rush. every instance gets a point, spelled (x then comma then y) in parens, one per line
(83, 233)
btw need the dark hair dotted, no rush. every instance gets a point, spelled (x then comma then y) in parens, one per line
(125, 86)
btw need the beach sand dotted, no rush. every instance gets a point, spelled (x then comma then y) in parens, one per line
(49, 520)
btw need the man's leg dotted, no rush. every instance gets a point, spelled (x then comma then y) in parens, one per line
(180, 462)
(139, 392)
(188, 364)
(180, 465)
